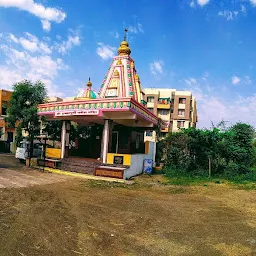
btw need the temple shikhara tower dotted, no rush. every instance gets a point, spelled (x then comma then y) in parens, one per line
(118, 110)
(122, 79)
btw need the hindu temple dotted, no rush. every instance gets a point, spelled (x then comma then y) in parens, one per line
(120, 109)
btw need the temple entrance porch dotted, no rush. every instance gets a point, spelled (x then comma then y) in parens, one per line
(107, 147)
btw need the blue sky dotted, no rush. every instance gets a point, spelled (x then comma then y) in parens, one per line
(206, 46)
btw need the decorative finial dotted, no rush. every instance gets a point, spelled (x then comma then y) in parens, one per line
(89, 83)
(125, 33)
(124, 46)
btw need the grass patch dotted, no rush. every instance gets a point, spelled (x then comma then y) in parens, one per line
(112, 185)
(176, 177)
(188, 181)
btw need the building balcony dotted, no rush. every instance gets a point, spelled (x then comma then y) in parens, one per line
(163, 106)
(165, 129)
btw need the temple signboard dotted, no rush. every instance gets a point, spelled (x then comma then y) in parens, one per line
(77, 113)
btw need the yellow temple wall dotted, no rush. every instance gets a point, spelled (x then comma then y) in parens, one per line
(53, 153)
(127, 158)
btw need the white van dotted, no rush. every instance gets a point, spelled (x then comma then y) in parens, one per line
(23, 150)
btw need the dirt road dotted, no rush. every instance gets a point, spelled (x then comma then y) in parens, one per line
(14, 174)
(75, 217)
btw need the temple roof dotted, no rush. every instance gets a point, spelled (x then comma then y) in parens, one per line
(122, 79)
(119, 98)
(87, 93)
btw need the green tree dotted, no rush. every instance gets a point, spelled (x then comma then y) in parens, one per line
(53, 130)
(238, 148)
(18, 137)
(229, 151)
(23, 107)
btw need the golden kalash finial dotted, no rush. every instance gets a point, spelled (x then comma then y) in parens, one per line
(89, 83)
(137, 78)
(124, 46)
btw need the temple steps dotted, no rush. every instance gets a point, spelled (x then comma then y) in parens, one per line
(80, 165)
(93, 167)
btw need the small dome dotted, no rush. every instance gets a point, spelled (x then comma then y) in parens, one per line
(87, 93)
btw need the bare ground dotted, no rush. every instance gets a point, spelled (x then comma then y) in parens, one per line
(74, 217)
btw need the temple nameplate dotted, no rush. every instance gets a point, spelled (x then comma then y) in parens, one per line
(77, 113)
(118, 160)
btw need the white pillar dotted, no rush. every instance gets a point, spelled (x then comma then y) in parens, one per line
(105, 141)
(63, 139)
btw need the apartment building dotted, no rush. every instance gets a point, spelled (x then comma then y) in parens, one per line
(7, 134)
(176, 108)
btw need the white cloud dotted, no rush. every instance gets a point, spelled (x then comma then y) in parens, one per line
(253, 2)
(228, 15)
(46, 25)
(136, 29)
(205, 76)
(216, 109)
(203, 2)
(156, 67)
(140, 28)
(40, 11)
(243, 9)
(195, 3)
(214, 105)
(14, 38)
(31, 43)
(8, 77)
(113, 34)
(190, 81)
(235, 80)
(248, 80)
(29, 58)
(105, 51)
(73, 40)
(192, 4)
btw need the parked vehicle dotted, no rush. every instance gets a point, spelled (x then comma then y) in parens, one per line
(22, 152)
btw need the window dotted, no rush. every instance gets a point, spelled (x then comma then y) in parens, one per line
(149, 133)
(182, 100)
(4, 108)
(181, 112)
(164, 101)
(150, 99)
(10, 136)
(181, 124)
(163, 112)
